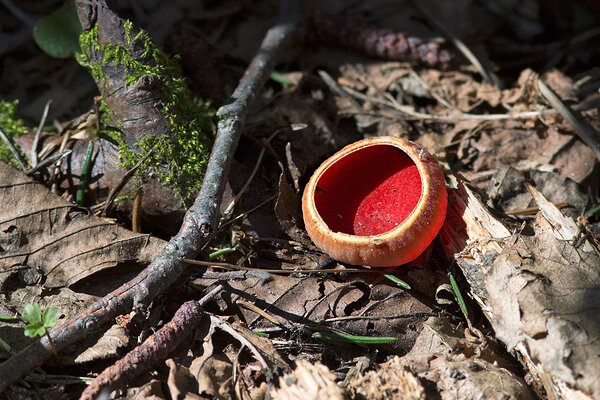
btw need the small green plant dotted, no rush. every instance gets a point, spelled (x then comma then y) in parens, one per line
(398, 281)
(39, 322)
(345, 338)
(12, 127)
(459, 297)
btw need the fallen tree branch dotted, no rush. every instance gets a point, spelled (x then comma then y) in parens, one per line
(168, 267)
(157, 347)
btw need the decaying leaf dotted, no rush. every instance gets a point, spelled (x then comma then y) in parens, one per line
(108, 346)
(459, 367)
(351, 305)
(536, 287)
(44, 233)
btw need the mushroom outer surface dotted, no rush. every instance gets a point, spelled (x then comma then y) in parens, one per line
(378, 202)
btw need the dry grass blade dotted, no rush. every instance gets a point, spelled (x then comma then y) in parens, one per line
(12, 149)
(126, 177)
(38, 133)
(224, 326)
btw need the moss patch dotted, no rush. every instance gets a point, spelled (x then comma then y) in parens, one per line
(12, 127)
(178, 161)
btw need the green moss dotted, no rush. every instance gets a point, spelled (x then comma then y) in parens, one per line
(178, 161)
(12, 127)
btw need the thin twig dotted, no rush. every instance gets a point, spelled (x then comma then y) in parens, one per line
(225, 326)
(534, 210)
(56, 170)
(584, 130)
(278, 271)
(154, 349)
(38, 133)
(231, 205)
(12, 149)
(54, 158)
(168, 267)
(114, 192)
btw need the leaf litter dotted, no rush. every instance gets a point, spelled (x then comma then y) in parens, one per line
(496, 138)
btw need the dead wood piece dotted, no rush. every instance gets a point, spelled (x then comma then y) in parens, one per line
(199, 221)
(308, 382)
(536, 288)
(155, 348)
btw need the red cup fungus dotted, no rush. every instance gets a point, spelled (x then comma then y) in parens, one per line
(377, 202)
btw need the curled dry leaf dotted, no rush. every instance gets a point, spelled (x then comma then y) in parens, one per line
(43, 232)
(536, 288)
(348, 304)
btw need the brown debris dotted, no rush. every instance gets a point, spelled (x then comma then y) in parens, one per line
(389, 381)
(535, 289)
(308, 382)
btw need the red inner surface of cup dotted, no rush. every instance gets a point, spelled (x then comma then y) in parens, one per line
(369, 191)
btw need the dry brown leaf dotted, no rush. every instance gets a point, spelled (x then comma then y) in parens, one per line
(109, 345)
(150, 391)
(537, 289)
(287, 210)
(214, 376)
(506, 189)
(460, 368)
(182, 384)
(351, 305)
(58, 238)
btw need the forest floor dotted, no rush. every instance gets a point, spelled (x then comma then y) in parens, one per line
(504, 95)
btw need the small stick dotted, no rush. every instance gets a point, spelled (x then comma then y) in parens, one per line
(262, 313)
(277, 271)
(136, 216)
(12, 149)
(155, 348)
(48, 161)
(114, 192)
(56, 170)
(38, 133)
(225, 326)
(533, 210)
(229, 209)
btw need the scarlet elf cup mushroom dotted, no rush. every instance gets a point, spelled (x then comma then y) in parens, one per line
(377, 202)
